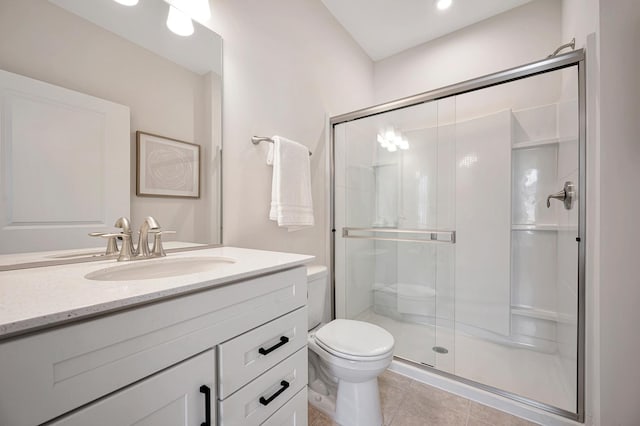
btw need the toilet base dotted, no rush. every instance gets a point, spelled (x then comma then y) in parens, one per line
(323, 403)
(358, 404)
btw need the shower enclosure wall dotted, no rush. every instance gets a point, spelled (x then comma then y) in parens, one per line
(457, 217)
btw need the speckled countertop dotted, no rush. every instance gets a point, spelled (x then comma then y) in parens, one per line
(32, 299)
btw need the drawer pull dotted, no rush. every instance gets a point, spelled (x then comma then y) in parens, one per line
(284, 387)
(283, 340)
(207, 405)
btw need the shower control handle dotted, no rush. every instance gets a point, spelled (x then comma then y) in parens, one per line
(567, 195)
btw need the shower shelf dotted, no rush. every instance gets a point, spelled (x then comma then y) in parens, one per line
(542, 142)
(542, 314)
(543, 227)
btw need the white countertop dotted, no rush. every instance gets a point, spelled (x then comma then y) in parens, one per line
(31, 299)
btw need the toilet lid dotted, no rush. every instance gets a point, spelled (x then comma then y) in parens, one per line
(355, 338)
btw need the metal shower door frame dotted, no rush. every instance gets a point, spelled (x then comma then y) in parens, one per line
(574, 58)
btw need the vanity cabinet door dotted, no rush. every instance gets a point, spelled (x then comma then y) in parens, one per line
(176, 396)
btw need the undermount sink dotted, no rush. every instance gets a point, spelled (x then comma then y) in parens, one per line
(160, 268)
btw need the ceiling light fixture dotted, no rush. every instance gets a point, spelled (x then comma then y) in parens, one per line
(443, 4)
(179, 22)
(127, 2)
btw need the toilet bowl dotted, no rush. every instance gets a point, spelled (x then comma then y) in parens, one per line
(346, 357)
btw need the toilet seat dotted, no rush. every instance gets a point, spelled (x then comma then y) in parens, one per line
(355, 340)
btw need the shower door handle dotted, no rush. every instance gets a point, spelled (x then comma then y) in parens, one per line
(402, 235)
(567, 195)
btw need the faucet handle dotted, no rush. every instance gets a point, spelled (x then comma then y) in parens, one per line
(158, 250)
(112, 245)
(126, 251)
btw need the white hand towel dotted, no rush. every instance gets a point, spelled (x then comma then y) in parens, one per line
(291, 203)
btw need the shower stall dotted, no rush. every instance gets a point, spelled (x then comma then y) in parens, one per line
(458, 220)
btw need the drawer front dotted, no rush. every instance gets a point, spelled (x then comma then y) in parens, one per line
(294, 413)
(169, 398)
(70, 366)
(245, 357)
(258, 400)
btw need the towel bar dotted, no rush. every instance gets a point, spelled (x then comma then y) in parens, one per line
(257, 139)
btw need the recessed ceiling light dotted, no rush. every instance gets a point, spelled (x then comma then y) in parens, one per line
(127, 2)
(443, 4)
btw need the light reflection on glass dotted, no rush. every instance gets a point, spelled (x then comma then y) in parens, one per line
(468, 160)
(531, 177)
(423, 200)
(392, 139)
(530, 186)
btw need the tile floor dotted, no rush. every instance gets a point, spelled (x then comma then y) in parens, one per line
(406, 402)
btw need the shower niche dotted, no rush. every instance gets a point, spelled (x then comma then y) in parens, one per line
(444, 237)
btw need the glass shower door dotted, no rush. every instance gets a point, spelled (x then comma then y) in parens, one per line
(394, 230)
(517, 178)
(457, 227)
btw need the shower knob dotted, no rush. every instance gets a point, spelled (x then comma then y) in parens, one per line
(567, 195)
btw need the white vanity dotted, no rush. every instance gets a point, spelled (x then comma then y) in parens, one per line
(223, 346)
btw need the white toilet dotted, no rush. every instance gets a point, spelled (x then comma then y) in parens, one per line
(345, 359)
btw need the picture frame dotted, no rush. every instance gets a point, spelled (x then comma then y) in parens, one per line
(166, 167)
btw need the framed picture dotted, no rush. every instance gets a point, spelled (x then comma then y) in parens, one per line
(167, 167)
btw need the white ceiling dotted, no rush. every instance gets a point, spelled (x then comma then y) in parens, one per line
(386, 27)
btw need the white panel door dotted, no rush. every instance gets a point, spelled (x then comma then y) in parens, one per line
(169, 398)
(65, 165)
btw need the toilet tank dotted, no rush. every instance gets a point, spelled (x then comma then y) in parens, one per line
(317, 280)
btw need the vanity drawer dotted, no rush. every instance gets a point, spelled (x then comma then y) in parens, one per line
(258, 400)
(243, 358)
(294, 413)
(67, 367)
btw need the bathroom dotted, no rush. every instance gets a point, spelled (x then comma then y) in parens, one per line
(290, 66)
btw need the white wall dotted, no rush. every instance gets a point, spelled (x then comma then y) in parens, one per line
(521, 35)
(579, 19)
(613, 286)
(288, 65)
(619, 295)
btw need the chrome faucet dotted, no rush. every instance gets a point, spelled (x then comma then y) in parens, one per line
(149, 224)
(127, 250)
